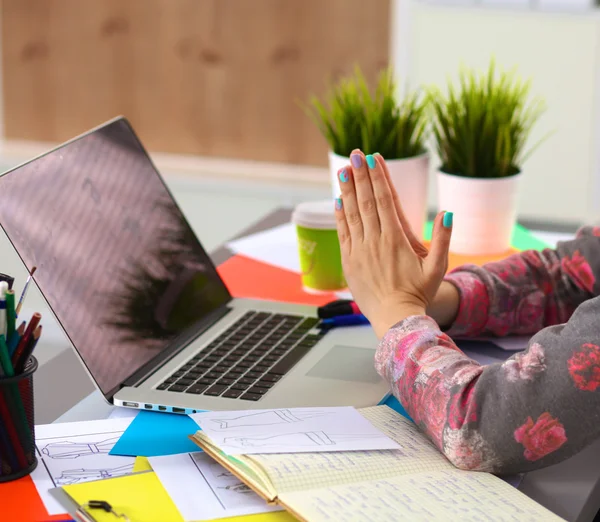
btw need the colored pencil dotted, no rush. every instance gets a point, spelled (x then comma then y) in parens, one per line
(25, 288)
(3, 290)
(11, 315)
(33, 324)
(12, 344)
(22, 361)
(5, 361)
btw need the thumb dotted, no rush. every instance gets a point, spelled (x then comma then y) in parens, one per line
(436, 263)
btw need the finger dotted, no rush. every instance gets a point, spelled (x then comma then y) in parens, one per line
(342, 227)
(436, 263)
(384, 200)
(350, 205)
(415, 241)
(364, 193)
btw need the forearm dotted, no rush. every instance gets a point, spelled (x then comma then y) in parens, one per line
(532, 411)
(525, 292)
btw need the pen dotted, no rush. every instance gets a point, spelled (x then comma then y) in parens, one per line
(25, 288)
(11, 315)
(10, 280)
(337, 308)
(3, 290)
(344, 320)
(14, 341)
(5, 361)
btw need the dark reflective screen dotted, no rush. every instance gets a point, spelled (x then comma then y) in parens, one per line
(116, 260)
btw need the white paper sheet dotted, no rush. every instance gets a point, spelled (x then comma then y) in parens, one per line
(123, 413)
(203, 490)
(75, 452)
(292, 430)
(513, 343)
(277, 246)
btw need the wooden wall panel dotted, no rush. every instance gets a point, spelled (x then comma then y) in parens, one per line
(209, 77)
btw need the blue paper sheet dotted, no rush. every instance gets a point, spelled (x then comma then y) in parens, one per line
(392, 402)
(152, 434)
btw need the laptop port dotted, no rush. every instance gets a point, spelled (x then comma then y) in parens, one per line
(131, 404)
(162, 408)
(178, 410)
(148, 406)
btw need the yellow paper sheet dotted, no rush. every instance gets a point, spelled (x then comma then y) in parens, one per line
(142, 498)
(277, 516)
(141, 464)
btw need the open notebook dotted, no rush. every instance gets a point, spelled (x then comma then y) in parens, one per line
(414, 483)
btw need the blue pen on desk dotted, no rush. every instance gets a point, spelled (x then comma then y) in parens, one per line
(345, 320)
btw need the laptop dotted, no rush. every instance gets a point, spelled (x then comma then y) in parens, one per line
(143, 305)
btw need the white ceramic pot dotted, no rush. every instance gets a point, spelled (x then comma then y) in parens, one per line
(410, 179)
(485, 211)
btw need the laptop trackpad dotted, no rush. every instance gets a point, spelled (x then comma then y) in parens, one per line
(346, 363)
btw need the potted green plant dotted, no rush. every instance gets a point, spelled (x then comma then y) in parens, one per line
(352, 116)
(481, 128)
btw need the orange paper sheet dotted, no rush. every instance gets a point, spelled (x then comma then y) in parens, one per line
(248, 278)
(253, 279)
(20, 501)
(456, 260)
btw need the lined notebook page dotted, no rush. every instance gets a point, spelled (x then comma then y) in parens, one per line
(439, 495)
(295, 472)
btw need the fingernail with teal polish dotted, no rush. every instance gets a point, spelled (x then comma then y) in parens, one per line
(371, 161)
(343, 175)
(356, 160)
(338, 203)
(447, 221)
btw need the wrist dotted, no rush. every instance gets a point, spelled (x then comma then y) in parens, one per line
(444, 307)
(393, 315)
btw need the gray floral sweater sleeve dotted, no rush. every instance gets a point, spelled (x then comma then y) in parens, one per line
(540, 406)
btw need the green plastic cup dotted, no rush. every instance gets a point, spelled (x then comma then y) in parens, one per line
(318, 247)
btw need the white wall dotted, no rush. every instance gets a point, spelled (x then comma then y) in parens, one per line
(558, 51)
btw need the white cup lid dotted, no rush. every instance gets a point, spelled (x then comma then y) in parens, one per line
(315, 214)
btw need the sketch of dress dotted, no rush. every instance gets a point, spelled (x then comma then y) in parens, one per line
(309, 438)
(219, 472)
(73, 476)
(73, 450)
(268, 418)
(240, 487)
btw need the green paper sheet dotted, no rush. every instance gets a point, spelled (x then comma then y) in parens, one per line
(522, 239)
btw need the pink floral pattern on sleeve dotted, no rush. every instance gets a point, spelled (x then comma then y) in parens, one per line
(580, 270)
(541, 438)
(584, 367)
(526, 365)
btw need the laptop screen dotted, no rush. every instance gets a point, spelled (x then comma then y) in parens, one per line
(116, 260)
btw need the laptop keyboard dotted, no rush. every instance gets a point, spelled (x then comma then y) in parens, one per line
(249, 358)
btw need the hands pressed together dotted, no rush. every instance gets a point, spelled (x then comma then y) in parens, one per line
(390, 273)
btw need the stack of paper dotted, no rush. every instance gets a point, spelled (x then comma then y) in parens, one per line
(78, 459)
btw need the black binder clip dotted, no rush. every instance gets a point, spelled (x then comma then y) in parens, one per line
(84, 515)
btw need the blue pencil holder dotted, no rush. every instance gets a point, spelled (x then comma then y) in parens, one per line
(17, 432)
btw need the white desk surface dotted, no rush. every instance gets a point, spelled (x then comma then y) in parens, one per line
(571, 489)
